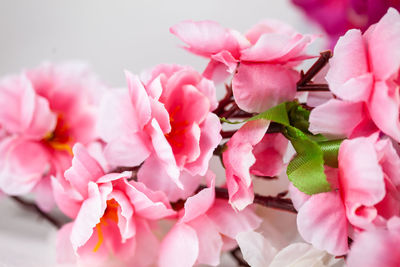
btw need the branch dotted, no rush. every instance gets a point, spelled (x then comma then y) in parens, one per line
(315, 87)
(225, 101)
(273, 128)
(34, 208)
(315, 68)
(277, 202)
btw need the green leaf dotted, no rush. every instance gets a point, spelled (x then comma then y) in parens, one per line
(223, 119)
(306, 170)
(299, 116)
(330, 150)
(277, 114)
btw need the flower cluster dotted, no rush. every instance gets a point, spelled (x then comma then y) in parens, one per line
(130, 167)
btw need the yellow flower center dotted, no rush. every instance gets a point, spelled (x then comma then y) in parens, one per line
(59, 139)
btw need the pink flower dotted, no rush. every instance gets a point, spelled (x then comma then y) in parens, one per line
(338, 16)
(367, 189)
(267, 54)
(112, 216)
(251, 151)
(163, 122)
(377, 247)
(206, 227)
(364, 76)
(44, 112)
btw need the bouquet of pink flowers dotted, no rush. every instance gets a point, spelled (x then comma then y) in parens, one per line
(130, 167)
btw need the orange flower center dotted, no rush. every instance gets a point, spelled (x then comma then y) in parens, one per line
(110, 214)
(59, 139)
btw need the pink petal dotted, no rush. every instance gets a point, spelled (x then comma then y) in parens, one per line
(145, 239)
(148, 204)
(298, 198)
(349, 50)
(238, 158)
(205, 37)
(365, 252)
(186, 144)
(83, 126)
(89, 215)
(22, 165)
(268, 26)
(128, 150)
(336, 118)
(384, 108)
(322, 222)
(257, 250)
(210, 241)
(67, 200)
(165, 157)
(160, 113)
(258, 87)
(117, 112)
(209, 139)
(230, 222)
(139, 98)
(389, 160)
(356, 89)
(276, 47)
(220, 67)
(43, 192)
(23, 111)
(361, 177)
(270, 149)
(186, 103)
(149, 174)
(84, 169)
(126, 224)
(383, 44)
(360, 216)
(207, 88)
(216, 71)
(199, 204)
(179, 248)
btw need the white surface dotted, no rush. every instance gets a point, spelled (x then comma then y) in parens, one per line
(111, 36)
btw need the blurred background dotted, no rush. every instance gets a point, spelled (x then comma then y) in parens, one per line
(111, 36)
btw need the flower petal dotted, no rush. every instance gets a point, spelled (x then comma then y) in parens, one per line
(322, 222)
(179, 248)
(258, 87)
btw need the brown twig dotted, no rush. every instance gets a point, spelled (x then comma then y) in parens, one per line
(315, 68)
(225, 101)
(314, 87)
(277, 202)
(34, 208)
(238, 258)
(134, 171)
(232, 110)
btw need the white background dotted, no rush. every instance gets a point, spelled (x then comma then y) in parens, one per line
(111, 36)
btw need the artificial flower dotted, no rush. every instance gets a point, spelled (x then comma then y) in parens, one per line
(45, 111)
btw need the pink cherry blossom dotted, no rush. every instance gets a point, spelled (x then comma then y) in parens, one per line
(366, 195)
(251, 151)
(206, 227)
(267, 54)
(164, 123)
(112, 216)
(364, 76)
(377, 247)
(45, 111)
